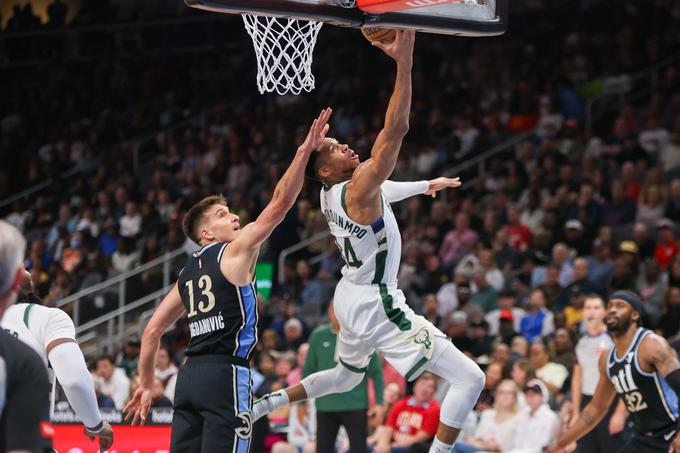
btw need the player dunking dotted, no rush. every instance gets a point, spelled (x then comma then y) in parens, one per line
(643, 369)
(216, 291)
(371, 310)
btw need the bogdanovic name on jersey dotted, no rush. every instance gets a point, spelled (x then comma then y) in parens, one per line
(345, 224)
(206, 325)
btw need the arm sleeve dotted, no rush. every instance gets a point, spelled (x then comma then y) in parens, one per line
(397, 191)
(28, 429)
(71, 371)
(375, 372)
(58, 326)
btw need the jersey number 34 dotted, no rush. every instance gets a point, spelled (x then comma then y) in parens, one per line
(348, 254)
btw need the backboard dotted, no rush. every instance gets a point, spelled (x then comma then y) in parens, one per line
(452, 17)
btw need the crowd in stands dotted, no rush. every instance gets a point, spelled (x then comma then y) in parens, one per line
(502, 266)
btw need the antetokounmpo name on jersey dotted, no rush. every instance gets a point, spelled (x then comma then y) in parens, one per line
(345, 224)
(206, 325)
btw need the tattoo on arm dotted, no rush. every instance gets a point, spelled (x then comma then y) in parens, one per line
(660, 357)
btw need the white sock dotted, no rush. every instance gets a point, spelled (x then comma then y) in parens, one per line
(440, 447)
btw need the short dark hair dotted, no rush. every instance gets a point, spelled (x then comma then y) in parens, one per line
(104, 357)
(596, 296)
(195, 214)
(312, 168)
(507, 294)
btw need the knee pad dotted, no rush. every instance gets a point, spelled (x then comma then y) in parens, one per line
(477, 377)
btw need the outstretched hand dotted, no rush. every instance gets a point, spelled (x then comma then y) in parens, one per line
(138, 407)
(401, 49)
(317, 132)
(442, 183)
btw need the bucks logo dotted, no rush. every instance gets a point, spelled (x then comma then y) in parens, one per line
(423, 337)
(246, 429)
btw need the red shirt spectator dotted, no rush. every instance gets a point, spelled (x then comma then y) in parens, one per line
(519, 236)
(409, 417)
(668, 246)
(412, 419)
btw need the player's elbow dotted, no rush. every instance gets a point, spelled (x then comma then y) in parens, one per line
(398, 130)
(152, 333)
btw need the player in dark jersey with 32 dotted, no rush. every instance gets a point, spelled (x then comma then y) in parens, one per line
(644, 370)
(216, 292)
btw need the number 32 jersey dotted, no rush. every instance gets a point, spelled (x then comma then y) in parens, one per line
(652, 404)
(371, 252)
(222, 316)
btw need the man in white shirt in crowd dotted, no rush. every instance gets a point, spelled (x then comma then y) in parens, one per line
(508, 310)
(114, 382)
(537, 424)
(51, 333)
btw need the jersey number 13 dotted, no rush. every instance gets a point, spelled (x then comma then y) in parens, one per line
(205, 285)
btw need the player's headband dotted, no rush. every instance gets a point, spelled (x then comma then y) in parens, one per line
(630, 297)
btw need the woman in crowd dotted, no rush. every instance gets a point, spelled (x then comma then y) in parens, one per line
(497, 426)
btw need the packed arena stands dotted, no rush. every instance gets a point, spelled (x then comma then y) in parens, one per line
(586, 202)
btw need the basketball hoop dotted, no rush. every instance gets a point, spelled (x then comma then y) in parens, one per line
(284, 48)
(284, 32)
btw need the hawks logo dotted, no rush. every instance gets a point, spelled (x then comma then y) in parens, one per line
(245, 431)
(423, 337)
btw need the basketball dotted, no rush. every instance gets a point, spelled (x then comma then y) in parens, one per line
(383, 35)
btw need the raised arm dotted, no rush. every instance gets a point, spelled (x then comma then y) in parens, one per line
(167, 313)
(369, 176)
(397, 191)
(592, 414)
(286, 190)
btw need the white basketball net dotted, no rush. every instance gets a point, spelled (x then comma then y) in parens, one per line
(284, 49)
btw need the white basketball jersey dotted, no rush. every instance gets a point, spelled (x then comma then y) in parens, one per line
(37, 326)
(372, 252)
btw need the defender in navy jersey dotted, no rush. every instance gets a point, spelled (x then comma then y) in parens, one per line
(215, 290)
(644, 370)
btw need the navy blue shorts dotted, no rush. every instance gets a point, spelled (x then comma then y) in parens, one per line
(212, 407)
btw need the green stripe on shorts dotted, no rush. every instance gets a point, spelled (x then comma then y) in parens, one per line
(415, 368)
(353, 368)
(396, 315)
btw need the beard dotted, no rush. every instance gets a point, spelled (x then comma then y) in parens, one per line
(617, 325)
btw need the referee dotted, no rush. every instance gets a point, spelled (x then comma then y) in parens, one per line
(216, 291)
(24, 389)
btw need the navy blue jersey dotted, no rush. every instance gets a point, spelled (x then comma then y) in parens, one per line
(652, 404)
(222, 316)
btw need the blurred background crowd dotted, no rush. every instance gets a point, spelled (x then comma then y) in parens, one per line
(129, 137)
